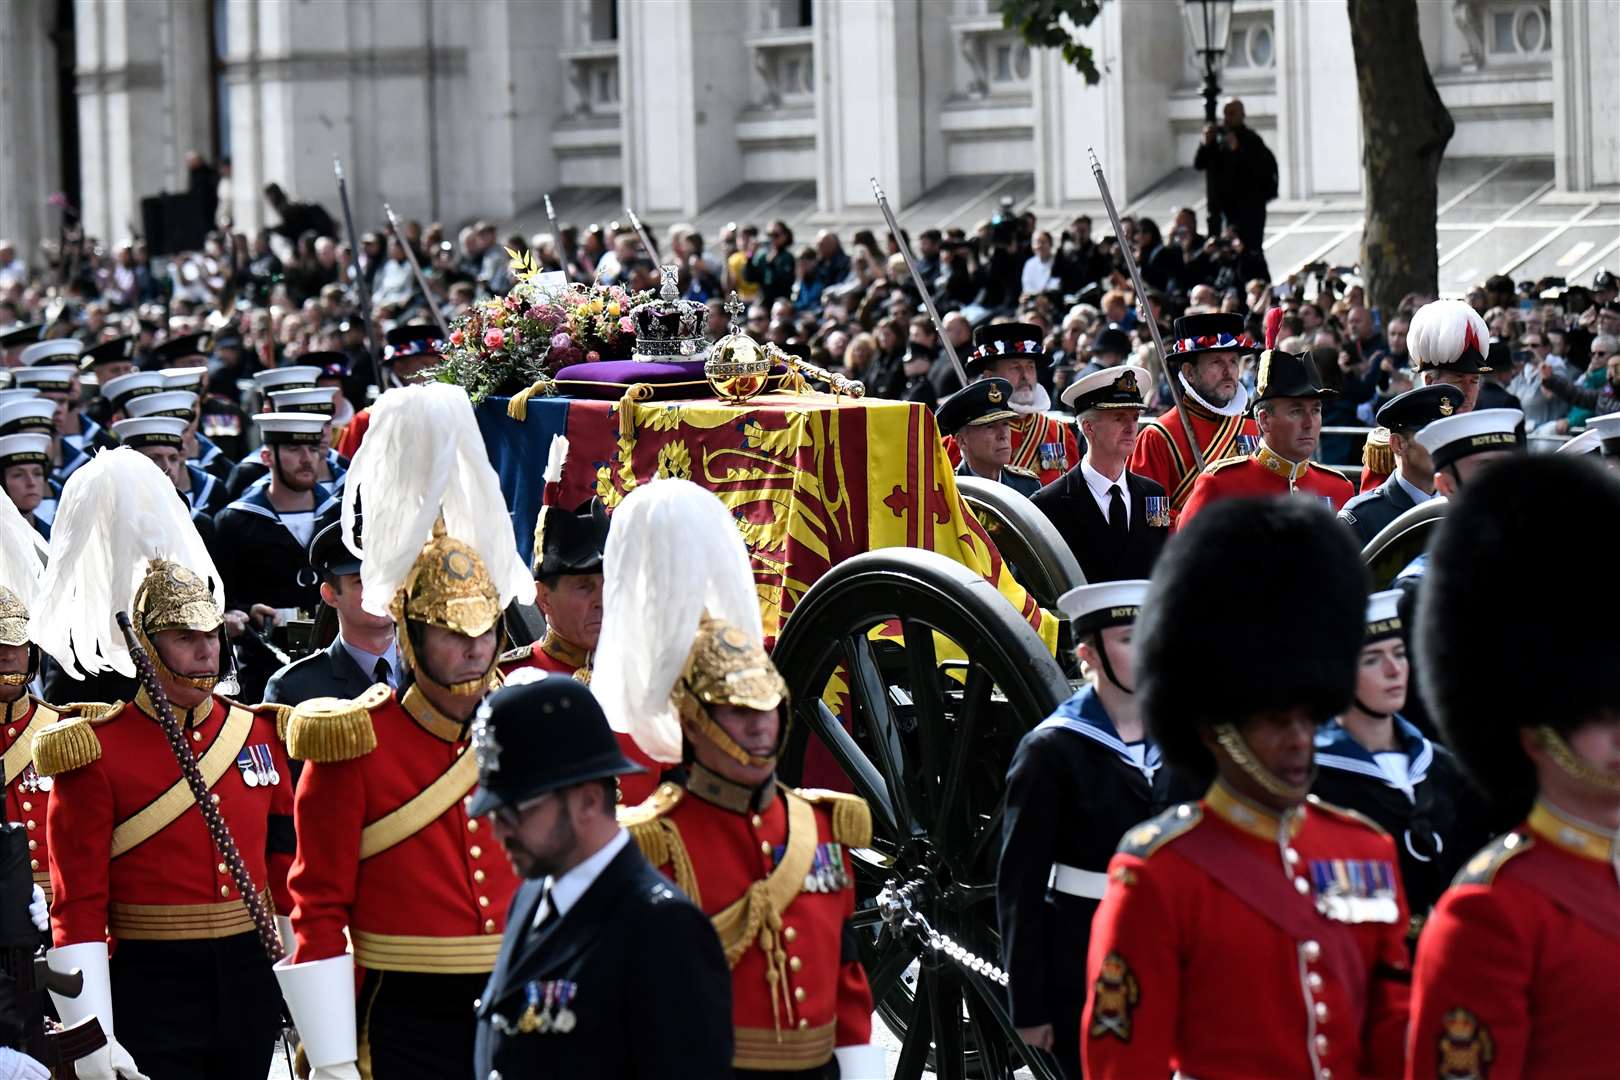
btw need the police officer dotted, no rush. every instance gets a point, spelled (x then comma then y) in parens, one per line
(1115, 521)
(1412, 481)
(1518, 970)
(979, 417)
(1258, 931)
(573, 993)
(1076, 783)
(1288, 409)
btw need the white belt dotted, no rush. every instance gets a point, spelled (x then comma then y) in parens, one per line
(1077, 882)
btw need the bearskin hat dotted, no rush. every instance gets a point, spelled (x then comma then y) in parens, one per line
(1563, 669)
(1259, 604)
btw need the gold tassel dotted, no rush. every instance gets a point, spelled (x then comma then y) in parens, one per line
(281, 713)
(1376, 454)
(326, 730)
(64, 746)
(851, 817)
(518, 407)
(627, 410)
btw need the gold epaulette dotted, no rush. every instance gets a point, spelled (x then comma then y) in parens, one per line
(68, 744)
(659, 839)
(851, 817)
(1345, 813)
(1017, 471)
(1148, 837)
(1484, 866)
(516, 656)
(1224, 463)
(281, 713)
(1376, 454)
(327, 729)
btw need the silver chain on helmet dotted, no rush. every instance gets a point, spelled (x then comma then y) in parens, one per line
(898, 909)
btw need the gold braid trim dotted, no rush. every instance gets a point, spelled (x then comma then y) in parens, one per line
(1232, 743)
(1563, 756)
(281, 713)
(93, 711)
(851, 817)
(326, 729)
(66, 745)
(1376, 454)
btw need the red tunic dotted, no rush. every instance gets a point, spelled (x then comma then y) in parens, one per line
(1518, 969)
(171, 883)
(1211, 952)
(435, 898)
(354, 433)
(831, 1003)
(28, 795)
(1370, 479)
(1265, 473)
(1162, 452)
(1040, 445)
(552, 653)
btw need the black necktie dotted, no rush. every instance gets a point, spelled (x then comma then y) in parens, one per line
(379, 674)
(1116, 513)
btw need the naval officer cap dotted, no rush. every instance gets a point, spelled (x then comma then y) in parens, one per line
(1118, 387)
(982, 402)
(1406, 413)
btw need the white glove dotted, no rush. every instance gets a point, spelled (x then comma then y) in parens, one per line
(16, 1065)
(869, 1062)
(345, 1071)
(111, 1062)
(40, 912)
(320, 996)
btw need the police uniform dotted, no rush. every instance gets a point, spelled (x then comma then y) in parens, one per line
(572, 993)
(1266, 472)
(1233, 939)
(572, 542)
(1369, 512)
(1104, 550)
(1448, 337)
(132, 858)
(976, 404)
(1073, 788)
(1040, 444)
(391, 860)
(1518, 970)
(265, 561)
(1162, 452)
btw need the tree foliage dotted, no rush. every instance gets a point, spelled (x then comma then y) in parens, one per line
(1054, 24)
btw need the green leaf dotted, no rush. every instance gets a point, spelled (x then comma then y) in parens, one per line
(1042, 25)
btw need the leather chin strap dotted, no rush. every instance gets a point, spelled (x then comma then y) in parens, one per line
(1107, 665)
(1238, 752)
(1572, 764)
(419, 670)
(204, 682)
(700, 725)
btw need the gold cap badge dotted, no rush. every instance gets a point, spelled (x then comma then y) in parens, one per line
(994, 395)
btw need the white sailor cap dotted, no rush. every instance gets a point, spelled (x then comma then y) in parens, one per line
(25, 448)
(178, 403)
(1452, 438)
(1108, 603)
(1123, 386)
(316, 399)
(45, 380)
(280, 428)
(133, 385)
(20, 393)
(28, 414)
(286, 378)
(41, 351)
(1384, 615)
(150, 431)
(1608, 432)
(185, 378)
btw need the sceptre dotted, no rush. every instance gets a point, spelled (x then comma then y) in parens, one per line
(363, 285)
(416, 268)
(916, 279)
(1172, 379)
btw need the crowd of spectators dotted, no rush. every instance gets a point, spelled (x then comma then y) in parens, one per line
(844, 301)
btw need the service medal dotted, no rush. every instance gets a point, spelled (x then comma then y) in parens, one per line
(249, 768)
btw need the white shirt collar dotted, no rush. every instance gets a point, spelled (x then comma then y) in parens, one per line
(368, 661)
(565, 891)
(1417, 494)
(1099, 485)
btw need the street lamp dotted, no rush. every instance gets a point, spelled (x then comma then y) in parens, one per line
(1209, 28)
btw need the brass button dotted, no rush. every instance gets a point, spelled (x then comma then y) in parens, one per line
(11, 733)
(483, 901)
(798, 995)
(1301, 886)
(196, 736)
(31, 824)
(27, 806)
(472, 824)
(803, 1023)
(224, 890)
(757, 821)
(1321, 1013)
(764, 847)
(33, 864)
(1321, 1044)
(33, 845)
(1314, 981)
(222, 868)
(489, 926)
(478, 875)
(1311, 951)
(794, 963)
(789, 934)
(214, 798)
(475, 851)
(1291, 855)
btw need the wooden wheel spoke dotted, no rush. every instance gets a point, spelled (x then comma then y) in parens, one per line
(978, 848)
(872, 695)
(868, 781)
(928, 703)
(919, 1035)
(944, 995)
(975, 695)
(986, 1004)
(894, 956)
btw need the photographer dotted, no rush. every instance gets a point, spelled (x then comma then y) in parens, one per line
(1243, 178)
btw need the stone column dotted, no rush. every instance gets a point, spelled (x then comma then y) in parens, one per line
(1318, 108)
(29, 124)
(1586, 95)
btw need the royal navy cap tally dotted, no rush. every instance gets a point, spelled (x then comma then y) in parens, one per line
(982, 402)
(1384, 615)
(284, 429)
(150, 431)
(135, 384)
(46, 380)
(1407, 412)
(315, 399)
(1478, 432)
(42, 352)
(25, 448)
(28, 414)
(297, 377)
(177, 403)
(1119, 387)
(1108, 603)
(185, 378)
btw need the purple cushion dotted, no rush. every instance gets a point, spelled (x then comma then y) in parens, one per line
(618, 374)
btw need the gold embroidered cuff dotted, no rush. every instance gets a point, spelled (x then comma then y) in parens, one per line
(798, 1048)
(180, 922)
(474, 955)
